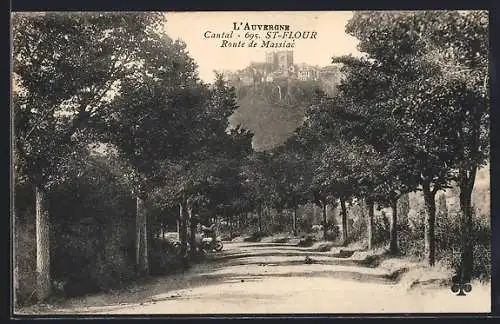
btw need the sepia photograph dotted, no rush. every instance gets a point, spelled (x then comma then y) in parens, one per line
(242, 163)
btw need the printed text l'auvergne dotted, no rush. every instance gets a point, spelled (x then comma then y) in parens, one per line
(259, 27)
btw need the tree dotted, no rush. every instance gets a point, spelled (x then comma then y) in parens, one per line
(205, 170)
(147, 122)
(222, 151)
(288, 171)
(67, 66)
(308, 144)
(404, 208)
(403, 85)
(347, 166)
(458, 43)
(259, 187)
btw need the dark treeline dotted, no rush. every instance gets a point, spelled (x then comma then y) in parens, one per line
(117, 141)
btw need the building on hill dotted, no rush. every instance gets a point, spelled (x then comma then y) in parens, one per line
(285, 59)
(279, 65)
(306, 72)
(262, 67)
(333, 69)
(270, 58)
(260, 71)
(246, 78)
(280, 60)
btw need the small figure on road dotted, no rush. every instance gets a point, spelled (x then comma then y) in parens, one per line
(209, 231)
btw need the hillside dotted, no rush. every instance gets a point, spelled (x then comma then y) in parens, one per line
(274, 110)
(271, 124)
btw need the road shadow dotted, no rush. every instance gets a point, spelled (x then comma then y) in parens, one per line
(205, 273)
(289, 246)
(264, 245)
(163, 290)
(341, 262)
(238, 255)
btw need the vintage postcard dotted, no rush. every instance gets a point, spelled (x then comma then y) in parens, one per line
(295, 162)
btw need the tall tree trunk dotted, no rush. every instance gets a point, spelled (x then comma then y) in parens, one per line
(43, 284)
(274, 217)
(466, 183)
(141, 238)
(294, 221)
(442, 209)
(230, 223)
(267, 218)
(370, 225)
(259, 214)
(403, 209)
(344, 221)
(394, 227)
(316, 213)
(325, 227)
(183, 234)
(192, 232)
(430, 228)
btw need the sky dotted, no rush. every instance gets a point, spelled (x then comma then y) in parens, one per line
(331, 38)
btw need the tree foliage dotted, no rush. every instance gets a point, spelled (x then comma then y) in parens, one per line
(67, 67)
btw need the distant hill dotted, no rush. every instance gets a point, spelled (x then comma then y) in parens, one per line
(274, 110)
(271, 124)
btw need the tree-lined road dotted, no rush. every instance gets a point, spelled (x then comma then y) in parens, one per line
(274, 278)
(117, 138)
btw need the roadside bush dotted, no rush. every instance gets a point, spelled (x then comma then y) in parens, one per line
(482, 262)
(256, 236)
(304, 224)
(332, 232)
(332, 235)
(307, 241)
(92, 231)
(277, 228)
(411, 240)
(449, 242)
(381, 231)
(163, 257)
(25, 259)
(281, 240)
(357, 231)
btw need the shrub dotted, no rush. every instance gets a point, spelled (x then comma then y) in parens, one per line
(304, 224)
(411, 240)
(256, 236)
(449, 242)
(332, 231)
(381, 231)
(163, 257)
(277, 228)
(357, 232)
(281, 240)
(92, 231)
(25, 260)
(307, 241)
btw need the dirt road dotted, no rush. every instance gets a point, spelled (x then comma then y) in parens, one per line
(277, 278)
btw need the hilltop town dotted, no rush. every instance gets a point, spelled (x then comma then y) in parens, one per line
(279, 66)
